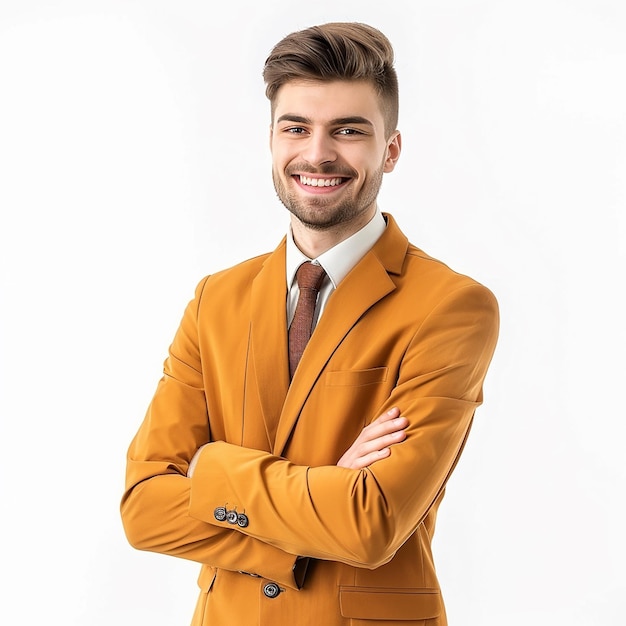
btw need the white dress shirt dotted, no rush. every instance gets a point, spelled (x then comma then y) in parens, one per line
(337, 262)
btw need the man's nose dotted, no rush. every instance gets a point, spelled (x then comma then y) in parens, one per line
(319, 149)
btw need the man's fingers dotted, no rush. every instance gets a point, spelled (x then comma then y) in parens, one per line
(379, 429)
(383, 439)
(368, 459)
(375, 439)
(390, 414)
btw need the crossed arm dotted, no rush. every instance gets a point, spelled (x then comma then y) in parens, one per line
(373, 443)
(152, 517)
(439, 388)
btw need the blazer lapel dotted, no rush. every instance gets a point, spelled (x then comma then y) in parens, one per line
(364, 286)
(268, 329)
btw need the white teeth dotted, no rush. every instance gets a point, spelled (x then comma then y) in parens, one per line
(320, 182)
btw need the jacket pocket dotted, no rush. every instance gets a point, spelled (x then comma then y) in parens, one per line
(376, 603)
(206, 578)
(205, 582)
(357, 378)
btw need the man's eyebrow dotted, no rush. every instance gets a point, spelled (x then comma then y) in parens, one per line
(340, 121)
(291, 117)
(354, 119)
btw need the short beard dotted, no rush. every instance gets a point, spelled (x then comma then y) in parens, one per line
(343, 212)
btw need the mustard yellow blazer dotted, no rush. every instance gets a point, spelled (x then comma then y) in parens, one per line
(283, 535)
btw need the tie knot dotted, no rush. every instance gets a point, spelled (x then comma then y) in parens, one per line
(310, 276)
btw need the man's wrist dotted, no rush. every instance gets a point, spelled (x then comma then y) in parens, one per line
(194, 461)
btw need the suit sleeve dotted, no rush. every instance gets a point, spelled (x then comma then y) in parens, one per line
(155, 505)
(362, 517)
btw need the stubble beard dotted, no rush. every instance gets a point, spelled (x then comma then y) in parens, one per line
(321, 213)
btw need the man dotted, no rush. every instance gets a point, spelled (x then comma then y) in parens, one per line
(307, 484)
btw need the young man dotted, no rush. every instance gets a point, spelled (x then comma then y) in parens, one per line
(306, 480)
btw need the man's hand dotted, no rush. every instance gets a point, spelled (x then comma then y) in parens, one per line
(375, 440)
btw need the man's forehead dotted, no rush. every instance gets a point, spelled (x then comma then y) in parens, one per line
(329, 100)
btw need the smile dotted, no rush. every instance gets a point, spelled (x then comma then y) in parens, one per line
(309, 181)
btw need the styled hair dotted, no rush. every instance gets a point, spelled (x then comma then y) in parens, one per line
(348, 51)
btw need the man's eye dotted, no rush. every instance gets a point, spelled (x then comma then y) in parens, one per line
(349, 131)
(295, 130)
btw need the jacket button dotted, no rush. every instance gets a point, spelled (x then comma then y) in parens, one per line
(220, 513)
(231, 517)
(242, 520)
(271, 590)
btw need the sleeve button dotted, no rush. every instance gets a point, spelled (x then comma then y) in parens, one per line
(271, 590)
(220, 513)
(242, 520)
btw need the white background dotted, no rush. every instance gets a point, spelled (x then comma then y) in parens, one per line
(134, 160)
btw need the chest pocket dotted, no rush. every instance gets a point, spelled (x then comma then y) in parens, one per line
(357, 378)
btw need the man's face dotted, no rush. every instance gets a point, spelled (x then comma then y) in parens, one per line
(329, 153)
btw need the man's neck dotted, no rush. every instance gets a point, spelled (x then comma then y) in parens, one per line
(313, 242)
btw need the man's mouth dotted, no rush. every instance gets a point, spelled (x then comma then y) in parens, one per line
(310, 181)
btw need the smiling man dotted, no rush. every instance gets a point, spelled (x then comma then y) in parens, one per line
(330, 148)
(316, 399)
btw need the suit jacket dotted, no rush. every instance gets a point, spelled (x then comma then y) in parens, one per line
(402, 329)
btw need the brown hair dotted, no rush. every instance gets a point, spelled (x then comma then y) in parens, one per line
(336, 51)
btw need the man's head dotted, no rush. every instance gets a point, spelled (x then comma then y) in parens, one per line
(333, 135)
(340, 51)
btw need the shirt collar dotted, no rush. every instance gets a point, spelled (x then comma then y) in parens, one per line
(340, 259)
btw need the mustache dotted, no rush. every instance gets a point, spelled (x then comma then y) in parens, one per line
(324, 169)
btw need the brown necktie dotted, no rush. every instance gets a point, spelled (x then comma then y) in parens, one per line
(309, 277)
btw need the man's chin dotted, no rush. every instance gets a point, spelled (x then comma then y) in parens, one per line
(317, 219)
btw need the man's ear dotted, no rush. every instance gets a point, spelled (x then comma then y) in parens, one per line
(394, 147)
